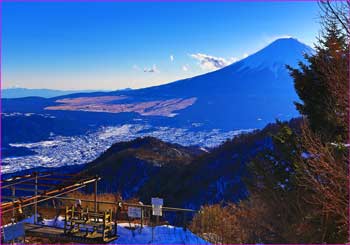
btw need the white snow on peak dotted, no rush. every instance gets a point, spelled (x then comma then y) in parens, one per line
(281, 52)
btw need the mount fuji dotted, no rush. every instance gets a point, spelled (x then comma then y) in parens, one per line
(247, 94)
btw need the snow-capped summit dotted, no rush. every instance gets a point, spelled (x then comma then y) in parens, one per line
(277, 54)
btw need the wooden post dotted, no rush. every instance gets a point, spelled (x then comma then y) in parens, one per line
(36, 199)
(72, 223)
(65, 220)
(154, 224)
(54, 203)
(104, 226)
(13, 188)
(184, 222)
(95, 202)
(95, 196)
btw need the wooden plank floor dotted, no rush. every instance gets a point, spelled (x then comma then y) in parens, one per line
(36, 230)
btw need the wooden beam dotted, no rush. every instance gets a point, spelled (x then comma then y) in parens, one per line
(43, 200)
(50, 192)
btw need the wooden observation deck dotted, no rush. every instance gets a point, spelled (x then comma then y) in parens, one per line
(80, 225)
(43, 231)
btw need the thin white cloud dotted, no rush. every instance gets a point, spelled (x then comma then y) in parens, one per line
(245, 55)
(171, 58)
(208, 62)
(185, 68)
(151, 69)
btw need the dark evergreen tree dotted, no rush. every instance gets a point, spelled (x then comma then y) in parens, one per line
(304, 177)
(323, 85)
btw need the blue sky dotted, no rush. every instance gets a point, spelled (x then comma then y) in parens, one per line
(111, 45)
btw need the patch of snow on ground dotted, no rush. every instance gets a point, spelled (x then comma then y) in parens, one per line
(46, 143)
(113, 131)
(165, 234)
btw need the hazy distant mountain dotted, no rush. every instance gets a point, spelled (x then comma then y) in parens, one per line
(45, 93)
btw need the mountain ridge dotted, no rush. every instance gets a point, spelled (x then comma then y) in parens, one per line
(127, 166)
(191, 178)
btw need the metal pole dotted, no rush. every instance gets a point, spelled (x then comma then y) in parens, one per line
(36, 199)
(116, 220)
(152, 232)
(95, 198)
(141, 217)
(184, 222)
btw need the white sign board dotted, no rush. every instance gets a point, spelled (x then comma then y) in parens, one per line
(157, 204)
(134, 212)
(157, 201)
(157, 210)
(13, 232)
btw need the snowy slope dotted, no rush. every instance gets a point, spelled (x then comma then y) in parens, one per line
(165, 234)
(277, 55)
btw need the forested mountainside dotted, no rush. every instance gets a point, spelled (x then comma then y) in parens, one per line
(184, 176)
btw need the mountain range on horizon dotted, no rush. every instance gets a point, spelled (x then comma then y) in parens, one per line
(19, 92)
